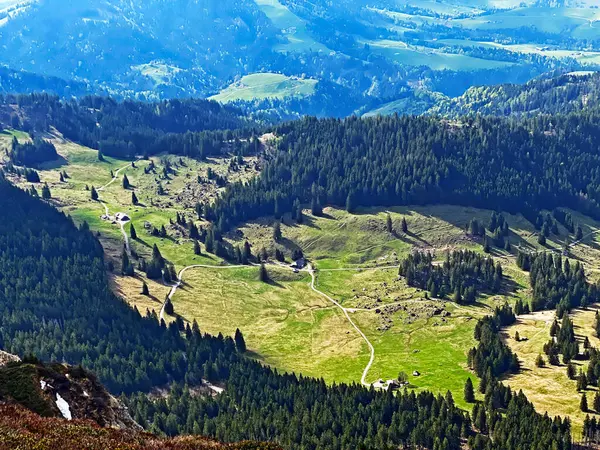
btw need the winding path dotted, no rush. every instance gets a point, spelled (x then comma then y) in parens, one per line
(311, 271)
(345, 311)
(106, 210)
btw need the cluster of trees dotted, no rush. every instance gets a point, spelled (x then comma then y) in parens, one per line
(30, 175)
(322, 417)
(519, 167)
(563, 341)
(32, 153)
(463, 274)
(555, 283)
(491, 358)
(129, 128)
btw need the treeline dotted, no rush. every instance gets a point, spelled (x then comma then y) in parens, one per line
(463, 275)
(32, 153)
(129, 128)
(519, 167)
(555, 283)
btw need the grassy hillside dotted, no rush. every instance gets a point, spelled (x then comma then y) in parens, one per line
(260, 86)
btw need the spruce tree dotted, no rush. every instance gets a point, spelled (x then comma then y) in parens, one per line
(100, 156)
(571, 372)
(404, 226)
(134, 199)
(579, 234)
(61, 177)
(277, 231)
(539, 361)
(46, 195)
(597, 402)
(469, 391)
(583, 405)
(126, 267)
(94, 193)
(132, 232)
(126, 183)
(389, 224)
(316, 208)
(169, 309)
(145, 290)
(240, 343)
(197, 248)
(263, 275)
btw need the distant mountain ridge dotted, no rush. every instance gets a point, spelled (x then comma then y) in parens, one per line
(363, 56)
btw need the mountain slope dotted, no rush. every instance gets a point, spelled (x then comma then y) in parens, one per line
(558, 95)
(169, 47)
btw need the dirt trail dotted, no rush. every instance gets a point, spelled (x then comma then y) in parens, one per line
(345, 311)
(106, 210)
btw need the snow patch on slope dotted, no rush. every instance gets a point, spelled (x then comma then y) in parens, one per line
(63, 406)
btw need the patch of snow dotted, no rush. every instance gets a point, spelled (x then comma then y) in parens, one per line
(63, 406)
(85, 394)
(43, 384)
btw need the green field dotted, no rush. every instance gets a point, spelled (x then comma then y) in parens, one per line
(399, 52)
(261, 86)
(293, 28)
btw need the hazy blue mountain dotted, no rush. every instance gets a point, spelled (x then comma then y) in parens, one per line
(337, 58)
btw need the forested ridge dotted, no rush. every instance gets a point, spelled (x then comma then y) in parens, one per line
(195, 128)
(516, 166)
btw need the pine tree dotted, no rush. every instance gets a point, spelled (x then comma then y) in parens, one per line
(316, 208)
(134, 199)
(350, 203)
(583, 405)
(263, 275)
(571, 372)
(145, 290)
(582, 382)
(246, 253)
(46, 195)
(94, 193)
(404, 226)
(126, 183)
(539, 361)
(132, 232)
(169, 309)
(197, 248)
(541, 239)
(126, 267)
(240, 343)
(469, 391)
(264, 256)
(277, 231)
